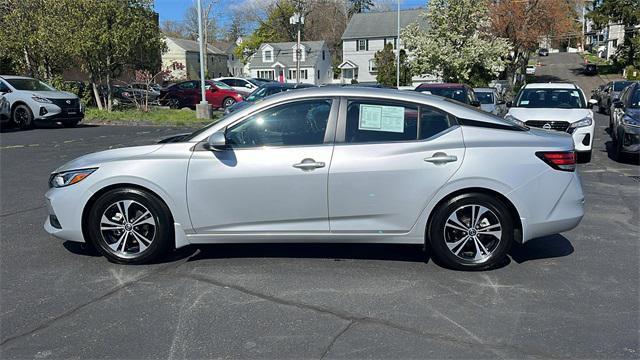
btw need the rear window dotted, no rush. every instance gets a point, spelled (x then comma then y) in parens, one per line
(551, 98)
(484, 97)
(458, 94)
(620, 85)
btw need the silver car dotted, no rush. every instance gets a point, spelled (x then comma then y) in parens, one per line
(334, 164)
(490, 101)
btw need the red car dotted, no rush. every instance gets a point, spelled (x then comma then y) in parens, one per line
(187, 94)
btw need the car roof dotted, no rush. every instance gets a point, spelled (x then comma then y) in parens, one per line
(439, 85)
(484, 89)
(551, 86)
(14, 77)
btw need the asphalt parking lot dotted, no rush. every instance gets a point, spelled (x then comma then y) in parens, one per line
(569, 295)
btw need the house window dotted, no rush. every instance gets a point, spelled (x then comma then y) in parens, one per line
(304, 74)
(347, 73)
(266, 74)
(322, 54)
(614, 43)
(391, 41)
(363, 45)
(318, 74)
(372, 66)
(267, 56)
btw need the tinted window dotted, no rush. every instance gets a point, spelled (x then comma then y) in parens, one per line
(297, 123)
(620, 85)
(375, 121)
(432, 121)
(229, 82)
(635, 98)
(451, 93)
(29, 85)
(551, 98)
(3, 87)
(187, 85)
(484, 97)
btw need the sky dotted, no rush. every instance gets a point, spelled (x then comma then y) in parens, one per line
(175, 9)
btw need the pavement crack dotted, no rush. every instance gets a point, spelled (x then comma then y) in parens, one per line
(335, 338)
(353, 318)
(76, 309)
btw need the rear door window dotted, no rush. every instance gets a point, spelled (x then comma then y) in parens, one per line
(376, 121)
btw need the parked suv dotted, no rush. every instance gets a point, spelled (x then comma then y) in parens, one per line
(611, 94)
(558, 107)
(5, 110)
(459, 92)
(31, 99)
(187, 94)
(624, 125)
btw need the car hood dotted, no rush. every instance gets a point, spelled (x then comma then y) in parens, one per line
(55, 94)
(633, 113)
(101, 157)
(554, 114)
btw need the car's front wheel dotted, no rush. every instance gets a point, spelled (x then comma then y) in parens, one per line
(228, 102)
(130, 226)
(471, 232)
(23, 117)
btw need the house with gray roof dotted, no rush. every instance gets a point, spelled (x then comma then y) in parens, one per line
(277, 61)
(182, 58)
(368, 33)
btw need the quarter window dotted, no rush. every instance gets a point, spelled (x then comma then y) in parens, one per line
(297, 123)
(432, 122)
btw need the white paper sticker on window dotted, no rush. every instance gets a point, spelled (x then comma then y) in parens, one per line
(524, 102)
(381, 118)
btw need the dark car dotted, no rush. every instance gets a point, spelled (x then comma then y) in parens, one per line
(590, 69)
(459, 92)
(543, 52)
(187, 94)
(610, 94)
(134, 93)
(624, 125)
(262, 92)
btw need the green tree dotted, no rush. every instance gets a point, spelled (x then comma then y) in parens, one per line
(456, 45)
(358, 6)
(386, 63)
(117, 35)
(627, 13)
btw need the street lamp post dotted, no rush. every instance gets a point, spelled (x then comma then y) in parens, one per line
(398, 50)
(297, 19)
(203, 110)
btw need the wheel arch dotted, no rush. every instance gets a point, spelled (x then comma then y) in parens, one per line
(517, 222)
(17, 103)
(94, 197)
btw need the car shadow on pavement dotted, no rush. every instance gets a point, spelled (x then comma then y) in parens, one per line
(337, 252)
(547, 247)
(630, 159)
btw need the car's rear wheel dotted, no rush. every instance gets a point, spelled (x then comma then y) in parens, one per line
(471, 232)
(228, 102)
(23, 117)
(130, 226)
(173, 103)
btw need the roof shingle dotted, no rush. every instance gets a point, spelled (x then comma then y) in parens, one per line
(381, 24)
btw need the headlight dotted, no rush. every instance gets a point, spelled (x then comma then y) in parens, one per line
(67, 178)
(513, 119)
(582, 123)
(41, 99)
(628, 120)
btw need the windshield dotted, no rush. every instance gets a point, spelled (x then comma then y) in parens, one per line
(551, 98)
(484, 97)
(221, 85)
(635, 99)
(451, 93)
(29, 85)
(620, 85)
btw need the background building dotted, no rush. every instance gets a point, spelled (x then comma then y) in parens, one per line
(277, 61)
(186, 52)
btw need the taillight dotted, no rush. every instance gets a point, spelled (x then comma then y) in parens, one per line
(559, 160)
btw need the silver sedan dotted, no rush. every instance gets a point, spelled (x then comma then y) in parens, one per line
(344, 165)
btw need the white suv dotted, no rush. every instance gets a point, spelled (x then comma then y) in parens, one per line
(30, 99)
(559, 107)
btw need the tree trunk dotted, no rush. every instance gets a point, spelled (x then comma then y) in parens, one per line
(96, 94)
(109, 94)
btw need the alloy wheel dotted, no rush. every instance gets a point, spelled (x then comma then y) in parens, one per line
(228, 102)
(472, 232)
(128, 228)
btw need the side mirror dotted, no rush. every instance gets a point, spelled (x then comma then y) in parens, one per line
(475, 103)
(591, 103)
(509, 104)
(248, 86)
(217, 141)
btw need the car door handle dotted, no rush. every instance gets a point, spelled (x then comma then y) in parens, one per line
(439, 158)
(308, 164)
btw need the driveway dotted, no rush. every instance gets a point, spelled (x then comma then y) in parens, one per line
(569, 295)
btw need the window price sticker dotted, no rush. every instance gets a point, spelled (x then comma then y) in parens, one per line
(381, 118)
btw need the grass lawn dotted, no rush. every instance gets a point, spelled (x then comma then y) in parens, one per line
(154, 117)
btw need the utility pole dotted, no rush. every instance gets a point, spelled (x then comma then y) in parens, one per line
(398, 50)
(298, 19)
(203, 110)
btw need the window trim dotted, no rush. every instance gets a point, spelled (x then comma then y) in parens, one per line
(329, 134)
(342, 121)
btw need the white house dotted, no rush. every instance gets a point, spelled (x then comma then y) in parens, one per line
(277, 61)
(187, 53)
(368, 33)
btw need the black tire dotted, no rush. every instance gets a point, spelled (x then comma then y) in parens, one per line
(70, 123)
(584, 156)
(22, 116)
(461, 204)
(617, 153)
(162, 236)
(228, 102)
(173, 103)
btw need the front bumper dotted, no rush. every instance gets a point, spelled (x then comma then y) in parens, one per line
(630, 138)
(583, 137)
(53, 112)
(65, 214)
